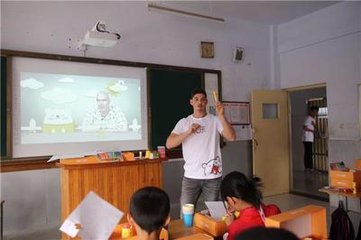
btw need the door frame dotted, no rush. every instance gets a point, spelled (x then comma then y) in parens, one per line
(289, 90)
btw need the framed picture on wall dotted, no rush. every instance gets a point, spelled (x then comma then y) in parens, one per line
(207, 49)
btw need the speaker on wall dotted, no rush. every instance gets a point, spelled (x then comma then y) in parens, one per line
(238, 54)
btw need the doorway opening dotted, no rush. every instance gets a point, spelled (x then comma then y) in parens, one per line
(309, 182)
(320, 146)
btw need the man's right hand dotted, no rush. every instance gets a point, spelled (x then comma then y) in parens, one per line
(193, 128)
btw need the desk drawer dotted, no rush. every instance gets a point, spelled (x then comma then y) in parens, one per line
(346, 176)
(337, 182)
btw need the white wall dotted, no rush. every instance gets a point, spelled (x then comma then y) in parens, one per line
(325, 47)
(55, 27)
(32, 200)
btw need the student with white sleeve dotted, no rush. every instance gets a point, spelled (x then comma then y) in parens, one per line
(309, 136)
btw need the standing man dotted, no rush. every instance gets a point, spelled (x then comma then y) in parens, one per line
(309, 136)
(199, 135)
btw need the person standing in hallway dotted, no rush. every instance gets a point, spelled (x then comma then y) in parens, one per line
(308, 137)
(199, 135)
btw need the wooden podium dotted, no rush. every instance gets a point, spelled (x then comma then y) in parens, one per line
(115, 182)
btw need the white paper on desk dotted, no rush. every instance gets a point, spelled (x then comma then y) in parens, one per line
(72, 155)
(216, 209)
(54, 158)
(65, 156)
(96, 216)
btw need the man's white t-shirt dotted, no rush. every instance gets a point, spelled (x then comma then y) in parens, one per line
(201, 150)
(310, 124)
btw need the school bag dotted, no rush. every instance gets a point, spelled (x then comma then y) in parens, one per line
(359, 232)
(268, 210)
(271, 209)
(341, 225)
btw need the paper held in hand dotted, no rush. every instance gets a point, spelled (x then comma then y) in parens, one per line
(216, 209)
(93, 218)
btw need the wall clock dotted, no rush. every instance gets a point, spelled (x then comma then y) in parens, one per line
(207, 49)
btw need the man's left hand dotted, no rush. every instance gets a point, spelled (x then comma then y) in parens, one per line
(219, 108)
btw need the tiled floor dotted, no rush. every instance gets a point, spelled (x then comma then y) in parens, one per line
(284, 201)
(46, 234)
(308, 183)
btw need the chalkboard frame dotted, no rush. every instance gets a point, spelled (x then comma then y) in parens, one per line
(4, 104)
(41, 160)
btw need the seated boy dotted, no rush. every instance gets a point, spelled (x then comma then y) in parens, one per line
(262, 233)
(149, 212)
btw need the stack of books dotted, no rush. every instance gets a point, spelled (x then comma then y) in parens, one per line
(109, 156)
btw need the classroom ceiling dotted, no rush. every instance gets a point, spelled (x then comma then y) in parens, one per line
(264, 12)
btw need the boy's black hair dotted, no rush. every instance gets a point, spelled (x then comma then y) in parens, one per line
(313, 108)
(198, 90)
(236, 184)
(149, 207)
(262, 233)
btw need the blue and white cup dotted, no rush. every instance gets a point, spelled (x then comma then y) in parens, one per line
(188, 211)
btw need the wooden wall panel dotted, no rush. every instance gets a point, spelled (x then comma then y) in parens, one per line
(115, 182)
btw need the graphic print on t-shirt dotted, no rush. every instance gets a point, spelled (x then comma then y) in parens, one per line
(201, 129)
(213, 166)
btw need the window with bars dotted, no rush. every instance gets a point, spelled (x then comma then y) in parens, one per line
(320, 146)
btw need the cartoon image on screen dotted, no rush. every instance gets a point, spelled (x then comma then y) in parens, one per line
(59, 108)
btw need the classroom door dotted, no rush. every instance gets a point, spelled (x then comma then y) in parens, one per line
(271, 158)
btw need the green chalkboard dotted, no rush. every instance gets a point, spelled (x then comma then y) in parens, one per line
(169, 94)
(3, 107)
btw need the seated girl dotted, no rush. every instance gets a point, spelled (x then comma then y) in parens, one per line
(244, 197)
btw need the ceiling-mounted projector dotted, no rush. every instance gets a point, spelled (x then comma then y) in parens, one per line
(100, 39)
(98, 36)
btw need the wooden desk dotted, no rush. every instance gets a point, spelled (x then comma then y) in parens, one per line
(115, 182)
(177, 230)
(344, 198)
(335, 192)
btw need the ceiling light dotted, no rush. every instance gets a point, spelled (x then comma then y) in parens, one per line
(163, 9)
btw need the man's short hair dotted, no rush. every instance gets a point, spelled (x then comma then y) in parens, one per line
(198, 90)
(149, 207)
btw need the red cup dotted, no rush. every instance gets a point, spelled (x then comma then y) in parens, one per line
(161, 150)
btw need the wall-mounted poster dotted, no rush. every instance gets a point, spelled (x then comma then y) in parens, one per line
(237, 112)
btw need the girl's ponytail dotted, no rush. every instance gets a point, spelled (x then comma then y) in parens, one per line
(236, 184)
